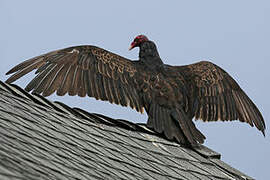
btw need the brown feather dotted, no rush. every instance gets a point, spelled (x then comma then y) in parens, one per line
(53, 81)
(91, 85)
(23, 69)
(30, 62)
(242, 106)
(215, 98)
(42, 67)
(99, 67)
(75, 81)
(42, 84)
(64, 87)
(219, 107)
(150, 120)
(101, 87)
(84, 61)
(95, 86)
(182, 120)
(163, 117)
(135, 98)
(159, 127)
(211, 109)
(238, 106)
(257, 117)
(111, 90)
(108, 71)
(81, 86)
(107, 89)
(168, 129)
(129, 98)
(155, 120)
(88, 83)
(116, 87)
(230, 106)
(34, 82)
(171, 130)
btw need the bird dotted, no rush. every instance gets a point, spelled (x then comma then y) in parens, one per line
(172, 96)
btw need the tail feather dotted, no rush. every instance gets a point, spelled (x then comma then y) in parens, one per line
(188, 127)
(174, 124)
(158, 119)
(171, 129)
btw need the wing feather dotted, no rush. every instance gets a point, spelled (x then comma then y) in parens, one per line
(218, 96)
(28, 63)
(63, 89)
(34, 82)
(111, 90)
(43, 82)
(101, 88)
(23, 69)
(88, 83)
(75, 81)
(83, 70)
(108, 90)
(53, 81)
(81, 85)
(129, 97)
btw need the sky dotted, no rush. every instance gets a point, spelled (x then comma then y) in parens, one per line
(232, 34)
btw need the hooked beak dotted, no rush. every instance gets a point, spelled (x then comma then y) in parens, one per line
(133, 44)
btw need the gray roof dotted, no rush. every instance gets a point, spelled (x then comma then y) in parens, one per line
(40, 139)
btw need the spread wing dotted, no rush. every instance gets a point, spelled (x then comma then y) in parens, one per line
(217, 96)
(83, 70)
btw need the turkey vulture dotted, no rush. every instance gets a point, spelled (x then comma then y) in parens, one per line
(171, 95)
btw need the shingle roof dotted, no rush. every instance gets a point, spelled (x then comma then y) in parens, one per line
(40, 139)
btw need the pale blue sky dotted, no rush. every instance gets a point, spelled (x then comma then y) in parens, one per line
(233, 34)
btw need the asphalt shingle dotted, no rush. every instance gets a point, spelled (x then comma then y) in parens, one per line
(48, 140)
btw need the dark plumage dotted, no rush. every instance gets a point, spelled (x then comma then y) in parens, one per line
(171, 95)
